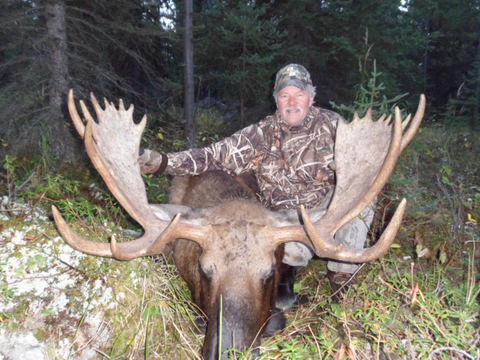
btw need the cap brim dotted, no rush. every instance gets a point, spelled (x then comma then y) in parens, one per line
(291, 82)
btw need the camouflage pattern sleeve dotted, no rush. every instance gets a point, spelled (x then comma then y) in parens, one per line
(234, 155)
(293, 165)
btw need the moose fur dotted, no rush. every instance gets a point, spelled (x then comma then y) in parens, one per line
(226, 245)
(248, 294)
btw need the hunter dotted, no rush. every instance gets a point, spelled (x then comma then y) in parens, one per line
(291, 155)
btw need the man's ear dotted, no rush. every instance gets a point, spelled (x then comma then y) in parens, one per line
(312, 100)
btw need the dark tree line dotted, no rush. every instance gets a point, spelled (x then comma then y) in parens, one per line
(135, 50)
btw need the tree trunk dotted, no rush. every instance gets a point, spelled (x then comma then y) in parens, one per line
(62, 141)
(189, 105)
(476, 104)
(426, 56)
(242, 81)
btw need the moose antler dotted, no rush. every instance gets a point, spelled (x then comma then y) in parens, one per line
(112, 145)
(366, 152)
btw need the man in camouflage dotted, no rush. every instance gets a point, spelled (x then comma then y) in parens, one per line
(291, 155)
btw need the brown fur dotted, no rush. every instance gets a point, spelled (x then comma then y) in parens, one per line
(211, 188)
(240, 264)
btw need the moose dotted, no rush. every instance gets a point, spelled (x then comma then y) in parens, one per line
(225, 244)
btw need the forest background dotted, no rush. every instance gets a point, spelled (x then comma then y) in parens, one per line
(421, 301)
(134, 50)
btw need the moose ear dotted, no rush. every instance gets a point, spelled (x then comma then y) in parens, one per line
(317, 212)
(167, 212)
(293, 217)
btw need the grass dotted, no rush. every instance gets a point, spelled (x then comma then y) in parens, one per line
(421, 301)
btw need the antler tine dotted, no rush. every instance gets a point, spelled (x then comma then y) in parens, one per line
(368, 114)
(415, 123)
(170, 232)
(72, 109)
(355, 116)
(102, 168)
(143, 122)
(76, 241)
(375, 151)
(157, 246)
(151, 243)
(406, 122)
(384, 173)
(121, 106)
(96, 105)
(345, 253)
(86, 112)
(112, 145)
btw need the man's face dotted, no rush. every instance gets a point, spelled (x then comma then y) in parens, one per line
(293, 104)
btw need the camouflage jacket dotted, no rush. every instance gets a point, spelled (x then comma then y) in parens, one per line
(293, 166)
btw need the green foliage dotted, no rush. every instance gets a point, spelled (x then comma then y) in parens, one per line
(435, 318)
(113, 51)
(126, 50)
(450, 31)
(55, 187)
(165, 132)
(420, 298)
(238, 50)
(210, 125)
(74, 191)
(10, 165)
(157, 187)
(370, 95)
(73, 210)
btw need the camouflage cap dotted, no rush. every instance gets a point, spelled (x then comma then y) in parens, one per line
(292, 74)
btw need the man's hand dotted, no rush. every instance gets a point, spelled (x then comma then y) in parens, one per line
(152, 162)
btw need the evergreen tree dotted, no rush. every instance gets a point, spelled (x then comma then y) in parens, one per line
(238, 51)
(115, 49)
(64, 146)
(339, 40)
(188, 102)
(450, 29)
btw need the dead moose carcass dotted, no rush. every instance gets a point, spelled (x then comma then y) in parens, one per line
(232, 250)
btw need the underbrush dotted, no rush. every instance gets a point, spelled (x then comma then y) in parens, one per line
(421, 301)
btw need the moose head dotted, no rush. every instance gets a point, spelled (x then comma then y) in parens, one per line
(230, 253)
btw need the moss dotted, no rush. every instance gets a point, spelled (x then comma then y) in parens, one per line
(42, 334)
(17, 315)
